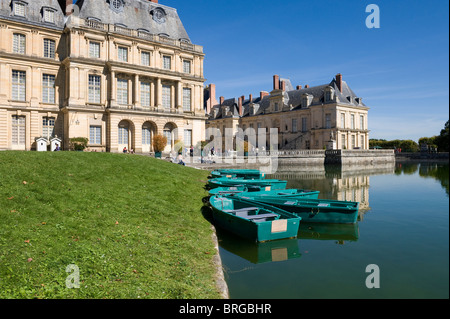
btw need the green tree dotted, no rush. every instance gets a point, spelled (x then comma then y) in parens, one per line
(408, 146)
(442, 140)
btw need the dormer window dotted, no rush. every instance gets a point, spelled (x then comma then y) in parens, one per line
(329, 94)
(306, 100)
(116, 5)
(19, 8)
(254, 109)
(159, 15)
(48, 15)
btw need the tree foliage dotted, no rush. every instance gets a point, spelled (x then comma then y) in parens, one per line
(405, 145)
(440, 141)
(159, 143)
(78, 143)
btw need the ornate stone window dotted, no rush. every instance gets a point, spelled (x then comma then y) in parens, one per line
(159, 15)
(116, 5)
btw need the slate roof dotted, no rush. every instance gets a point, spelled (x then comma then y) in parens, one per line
(34, 12)
(136, 14)
(293, 97)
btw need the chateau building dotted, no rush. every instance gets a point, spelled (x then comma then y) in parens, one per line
(325, 116)
(114, 71)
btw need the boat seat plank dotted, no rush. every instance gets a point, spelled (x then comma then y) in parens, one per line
(247, 209)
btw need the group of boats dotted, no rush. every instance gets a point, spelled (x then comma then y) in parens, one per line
(246, 203)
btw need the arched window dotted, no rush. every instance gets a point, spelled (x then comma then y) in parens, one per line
(148, 131)
(170, 132)
(124, 130)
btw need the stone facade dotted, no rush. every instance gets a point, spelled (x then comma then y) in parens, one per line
(329, 116)
(115, 72)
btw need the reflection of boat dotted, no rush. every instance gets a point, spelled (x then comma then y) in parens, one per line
(313, 210)
(282, 194)
(259, 222)
(258, 253)
(339, 232)
(245, 173)
(266, 184)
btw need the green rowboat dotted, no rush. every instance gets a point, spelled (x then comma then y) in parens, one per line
(229, 190)
(282, 194)
(244, 173)
(265, 184)
(313, 210)
(255, 221)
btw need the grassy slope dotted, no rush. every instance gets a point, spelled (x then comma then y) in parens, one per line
(132, 224)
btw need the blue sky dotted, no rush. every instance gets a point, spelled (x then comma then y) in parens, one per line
(401, 70)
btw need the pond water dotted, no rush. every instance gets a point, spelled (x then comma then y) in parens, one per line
(403, 228)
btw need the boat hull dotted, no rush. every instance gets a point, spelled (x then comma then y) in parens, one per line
(271, 184)
(260, 231)
(228, 190)
(245, 173)
(281, 194)
(317, 211)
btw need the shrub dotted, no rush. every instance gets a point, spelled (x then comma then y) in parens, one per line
(78, 143)
(159, 143)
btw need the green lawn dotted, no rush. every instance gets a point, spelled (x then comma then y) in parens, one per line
(131, 224)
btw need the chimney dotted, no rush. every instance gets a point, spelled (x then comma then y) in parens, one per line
(222, 99)
(212, 98)
(250, 98)
(69, 7)
(276, 82)
(155, 1)
(307, 86)
(262, 94)
(241, 99)
(299, 87)
(283, 85)
(339, 81)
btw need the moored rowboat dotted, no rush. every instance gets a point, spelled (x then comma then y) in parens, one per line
(229, 190)
(266, 184)
(254, 221)
(244, 173)
(313, 210)
(282, 193)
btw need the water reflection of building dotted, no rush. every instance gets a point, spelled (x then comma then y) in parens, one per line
(354, 189)
(335, 183)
